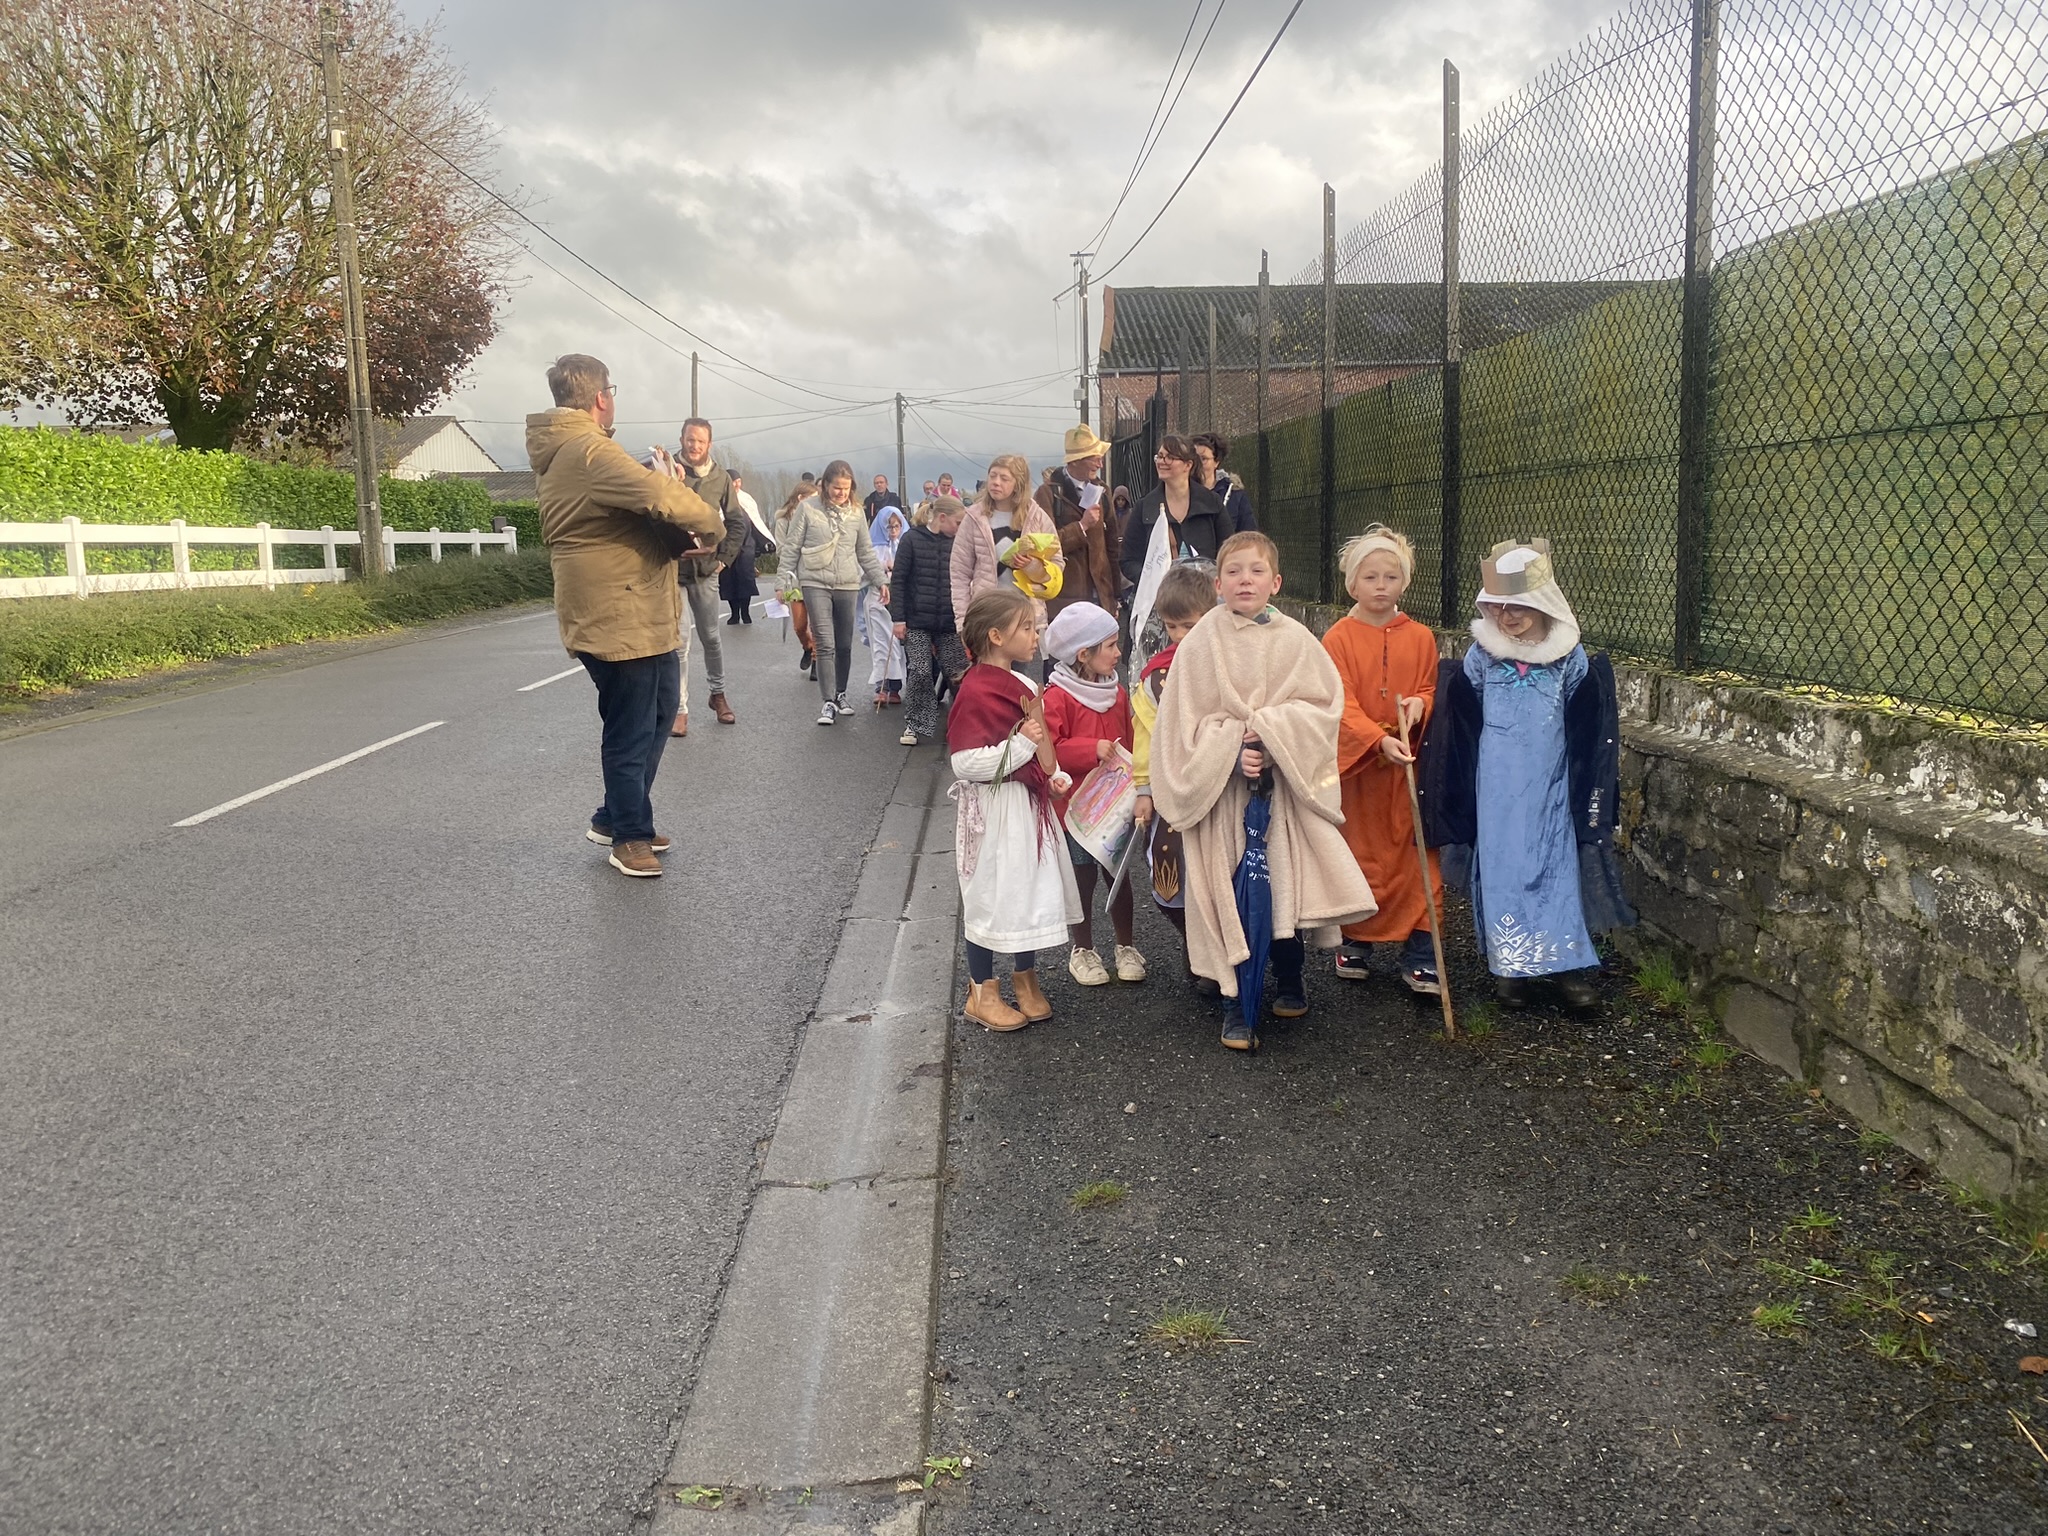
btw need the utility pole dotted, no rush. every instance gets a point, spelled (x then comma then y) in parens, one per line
(902, 475)
(1081, 287)
(693, 384)
(342, 194)
(1209, 394)
(1451, 564)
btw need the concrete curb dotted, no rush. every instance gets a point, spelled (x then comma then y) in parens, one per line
(813, 1402)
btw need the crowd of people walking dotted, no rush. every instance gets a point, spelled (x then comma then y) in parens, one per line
(1123, 702)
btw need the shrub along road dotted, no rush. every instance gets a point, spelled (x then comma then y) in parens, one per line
(373, 1153)
(1520, 1284)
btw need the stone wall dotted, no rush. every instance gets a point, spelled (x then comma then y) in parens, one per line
(1861, 895)
(1864, 896)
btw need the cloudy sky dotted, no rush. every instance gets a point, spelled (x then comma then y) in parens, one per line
(871, 197)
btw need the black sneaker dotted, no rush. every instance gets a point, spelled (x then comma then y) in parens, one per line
(1423, 981)
(1354, 961)
(1290, 998)
(1240, 1036)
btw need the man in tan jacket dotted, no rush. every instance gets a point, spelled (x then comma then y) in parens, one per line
(613, 529)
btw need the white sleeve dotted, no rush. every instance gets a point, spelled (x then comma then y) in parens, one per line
(980, 765)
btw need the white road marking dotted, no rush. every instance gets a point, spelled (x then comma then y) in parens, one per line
(310, 773)
(570, 672)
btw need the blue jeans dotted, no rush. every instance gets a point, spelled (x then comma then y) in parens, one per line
(636, 700)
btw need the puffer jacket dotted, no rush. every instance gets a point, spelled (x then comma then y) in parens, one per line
(829, 547)
(613, 528)
(921, 586)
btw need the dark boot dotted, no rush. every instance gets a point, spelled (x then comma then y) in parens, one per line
(1576, 990)
(1511, 991)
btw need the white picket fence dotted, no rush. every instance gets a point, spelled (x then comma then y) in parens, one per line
(74, 536)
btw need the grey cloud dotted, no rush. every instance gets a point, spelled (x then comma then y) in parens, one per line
(884, 195)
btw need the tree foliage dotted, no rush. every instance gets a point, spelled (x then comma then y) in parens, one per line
(166, 246)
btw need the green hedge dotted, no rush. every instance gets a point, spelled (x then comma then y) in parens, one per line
(47, 476)
(56, 642)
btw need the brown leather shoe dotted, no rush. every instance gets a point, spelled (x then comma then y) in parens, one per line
(603, 839)
(1031, 998)
(722, 709)
(682, 725)
(986, 1007)
(636, 859)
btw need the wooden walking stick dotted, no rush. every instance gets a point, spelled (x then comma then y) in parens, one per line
(1436, 927)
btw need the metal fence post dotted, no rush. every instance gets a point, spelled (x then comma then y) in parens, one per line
(1155, 430)
(1695, 336)
(1184, 415)
(1327, 543)
(1264, 319)
(1451, 520)
(1209, 394)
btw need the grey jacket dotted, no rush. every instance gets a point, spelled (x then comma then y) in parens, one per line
(829, 547)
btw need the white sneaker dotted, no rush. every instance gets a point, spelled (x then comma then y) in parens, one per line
(908, 739)
(842, 706)
(1086, 967)
(1130, 965)
(827, 715)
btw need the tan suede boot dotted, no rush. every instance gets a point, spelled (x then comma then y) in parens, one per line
(986, 1007)
(1031, 998)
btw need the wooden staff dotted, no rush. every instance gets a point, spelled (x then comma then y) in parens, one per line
(1436, 927)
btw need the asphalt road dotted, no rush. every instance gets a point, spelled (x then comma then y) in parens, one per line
(372, 1152)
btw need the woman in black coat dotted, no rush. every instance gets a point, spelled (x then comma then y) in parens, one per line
(737, 584)
(1196, 518)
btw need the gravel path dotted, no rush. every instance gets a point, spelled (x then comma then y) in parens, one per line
(1508, 1285)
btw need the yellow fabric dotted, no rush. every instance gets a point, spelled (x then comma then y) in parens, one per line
(616, 595)
(1144, 717)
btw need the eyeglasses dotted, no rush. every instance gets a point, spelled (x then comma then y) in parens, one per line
(612, 392)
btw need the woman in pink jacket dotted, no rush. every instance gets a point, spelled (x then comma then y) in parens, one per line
(986, 550)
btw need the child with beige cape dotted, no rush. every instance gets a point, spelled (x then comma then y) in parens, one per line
(1239, 676)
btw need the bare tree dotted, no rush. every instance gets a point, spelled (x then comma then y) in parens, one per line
(165, 237)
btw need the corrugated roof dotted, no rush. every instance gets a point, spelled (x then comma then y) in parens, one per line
(503, 484)
(1378, 324)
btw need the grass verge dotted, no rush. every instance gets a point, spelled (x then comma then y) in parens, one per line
(48, 643)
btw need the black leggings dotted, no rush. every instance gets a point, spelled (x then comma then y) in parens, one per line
(981, 963)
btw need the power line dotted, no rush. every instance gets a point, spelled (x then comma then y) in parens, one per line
(1154, 139)
(1242, 92)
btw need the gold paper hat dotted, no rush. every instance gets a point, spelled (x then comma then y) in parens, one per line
(1535, 573)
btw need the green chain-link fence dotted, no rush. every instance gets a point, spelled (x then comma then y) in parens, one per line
(1751, 305)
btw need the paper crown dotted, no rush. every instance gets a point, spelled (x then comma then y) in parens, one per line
(1520, 576)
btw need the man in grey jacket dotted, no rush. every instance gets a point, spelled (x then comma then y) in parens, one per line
(699, 574)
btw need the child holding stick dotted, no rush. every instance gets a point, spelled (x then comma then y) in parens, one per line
(1388, 663)
(1017, 890)
(1524, 775)
(1089, 715)
(1253, 691)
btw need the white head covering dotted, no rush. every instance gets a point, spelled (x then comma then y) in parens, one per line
(1518, 575)
(1077, 627)
(1377, 538)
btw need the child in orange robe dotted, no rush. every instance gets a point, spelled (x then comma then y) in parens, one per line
(1388, 663)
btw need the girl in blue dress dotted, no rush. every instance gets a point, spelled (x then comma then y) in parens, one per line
(1525, 666)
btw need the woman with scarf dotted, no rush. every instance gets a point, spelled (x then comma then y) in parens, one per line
(878, 630)
(1017, 891)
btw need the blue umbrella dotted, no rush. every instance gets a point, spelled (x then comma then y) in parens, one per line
(1253, 885)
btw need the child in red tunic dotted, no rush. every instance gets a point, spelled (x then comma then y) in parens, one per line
(1388, 663)
(1089, 716)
